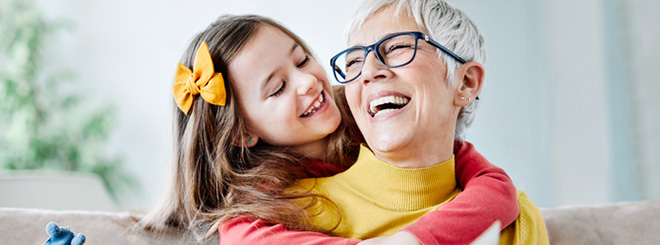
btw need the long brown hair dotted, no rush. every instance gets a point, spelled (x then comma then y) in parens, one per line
(212, 179)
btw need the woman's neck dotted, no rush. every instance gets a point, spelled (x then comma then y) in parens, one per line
(419, 153)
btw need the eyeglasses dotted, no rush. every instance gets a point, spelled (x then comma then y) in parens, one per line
(396, 50)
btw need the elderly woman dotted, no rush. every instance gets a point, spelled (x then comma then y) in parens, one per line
(412, 98)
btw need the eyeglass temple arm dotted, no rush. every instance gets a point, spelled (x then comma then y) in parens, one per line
(444, 49)
(449, 52)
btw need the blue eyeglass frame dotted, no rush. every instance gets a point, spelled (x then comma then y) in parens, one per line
(374, 47)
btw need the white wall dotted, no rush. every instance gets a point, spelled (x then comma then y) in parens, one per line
(642, 60)
(544, 119)
(579, 115)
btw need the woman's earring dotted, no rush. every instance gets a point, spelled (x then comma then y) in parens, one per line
(250, 140)
(469, 99)
(462, 98)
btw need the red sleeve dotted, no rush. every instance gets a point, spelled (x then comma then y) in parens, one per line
(488, 195)
(317, 169)
(245, 230)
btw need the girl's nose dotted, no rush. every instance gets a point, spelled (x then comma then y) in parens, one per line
(307, 83)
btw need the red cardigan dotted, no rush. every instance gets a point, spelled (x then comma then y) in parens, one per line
(488, 195)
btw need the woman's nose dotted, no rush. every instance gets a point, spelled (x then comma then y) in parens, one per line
(372, 69)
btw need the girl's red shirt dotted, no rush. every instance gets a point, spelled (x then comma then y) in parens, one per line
(488, 195)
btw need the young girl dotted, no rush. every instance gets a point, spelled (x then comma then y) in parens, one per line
(255, 112)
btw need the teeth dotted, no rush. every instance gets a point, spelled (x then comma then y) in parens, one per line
(397, 100)
(316, 106)
(381, 112)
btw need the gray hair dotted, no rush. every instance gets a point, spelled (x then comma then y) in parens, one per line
(447, 25)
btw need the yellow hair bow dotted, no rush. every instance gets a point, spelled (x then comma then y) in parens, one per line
(201, 80)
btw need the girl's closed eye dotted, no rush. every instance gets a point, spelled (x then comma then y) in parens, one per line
(304, 62)
(279, 90)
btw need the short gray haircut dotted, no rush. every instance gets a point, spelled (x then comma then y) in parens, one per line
(447, 25)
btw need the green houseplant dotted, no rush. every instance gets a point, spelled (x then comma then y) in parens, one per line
(44, 120)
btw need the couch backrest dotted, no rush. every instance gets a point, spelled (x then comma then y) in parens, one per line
(620, 223)
(28, 226)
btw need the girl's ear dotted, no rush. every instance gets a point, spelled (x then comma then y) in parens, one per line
(246, 139)
(470, 77)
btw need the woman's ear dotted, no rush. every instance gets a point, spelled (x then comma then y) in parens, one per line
(246, 139)
(470, 77)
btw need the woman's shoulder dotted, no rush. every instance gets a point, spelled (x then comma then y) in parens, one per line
(529, 227)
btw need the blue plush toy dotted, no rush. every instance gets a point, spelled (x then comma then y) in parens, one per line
(62, 236)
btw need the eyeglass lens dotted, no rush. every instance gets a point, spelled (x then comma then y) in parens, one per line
(392, 52)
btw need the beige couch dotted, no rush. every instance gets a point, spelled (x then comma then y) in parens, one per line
(620, 223)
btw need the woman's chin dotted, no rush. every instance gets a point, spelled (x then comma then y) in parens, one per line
(388, 143)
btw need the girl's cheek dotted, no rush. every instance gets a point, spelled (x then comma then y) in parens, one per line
(289, 105)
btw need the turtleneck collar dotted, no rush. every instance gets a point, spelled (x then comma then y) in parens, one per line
(401, 189)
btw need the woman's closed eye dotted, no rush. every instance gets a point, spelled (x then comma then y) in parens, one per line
(353, 63)
(400, 47)
(279, 91)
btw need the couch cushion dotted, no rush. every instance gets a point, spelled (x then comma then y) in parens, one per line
(28, 226)
(619, 223)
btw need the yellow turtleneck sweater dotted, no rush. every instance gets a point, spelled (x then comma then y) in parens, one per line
(376, 199)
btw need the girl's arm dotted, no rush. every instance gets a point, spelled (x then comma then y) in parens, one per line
(245, 230)
(488, 195)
